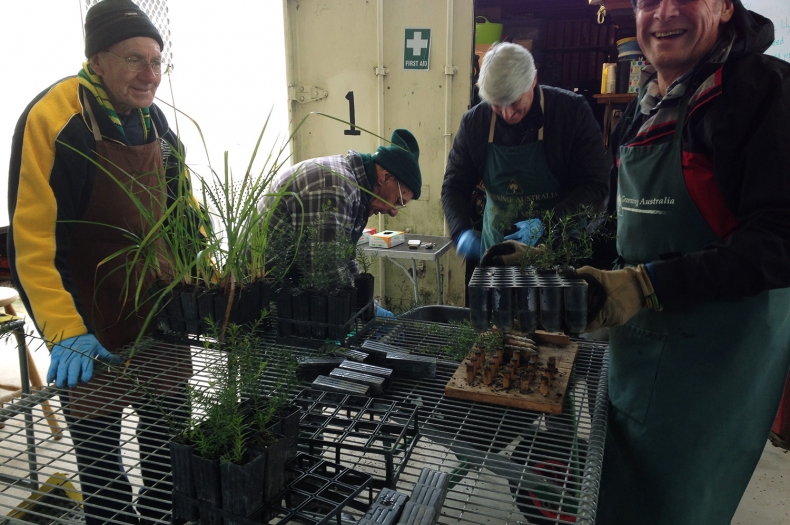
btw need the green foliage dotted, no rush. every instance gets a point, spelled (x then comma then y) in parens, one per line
(567, 238)
(491, 341)
(328, 264)
(460, 338)
(365, 260)
(236, 404)
(210, 232)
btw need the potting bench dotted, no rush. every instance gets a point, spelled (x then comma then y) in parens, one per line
(506, 465)
(402, 252)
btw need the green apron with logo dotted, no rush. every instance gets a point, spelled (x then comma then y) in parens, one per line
(515, 176)
(693, 389)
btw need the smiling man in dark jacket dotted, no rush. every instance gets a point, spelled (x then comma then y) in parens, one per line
(700, 344)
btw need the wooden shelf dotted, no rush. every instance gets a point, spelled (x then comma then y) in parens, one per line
(615, 98)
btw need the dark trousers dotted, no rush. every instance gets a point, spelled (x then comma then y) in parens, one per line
(105, 485)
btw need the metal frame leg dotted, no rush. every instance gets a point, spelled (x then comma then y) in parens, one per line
(28, 410)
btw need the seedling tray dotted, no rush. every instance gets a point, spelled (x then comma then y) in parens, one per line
(318, 493)
(553, 300)
(372, 435)
(354, 329)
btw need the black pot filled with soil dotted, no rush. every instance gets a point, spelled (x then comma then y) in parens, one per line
(318, 314)
(300, 304)
(284, 311)
(480, 307)
(364, 284)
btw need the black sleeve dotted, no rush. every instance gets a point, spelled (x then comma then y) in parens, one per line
(464, 170)
(747, 130)
(586, 181)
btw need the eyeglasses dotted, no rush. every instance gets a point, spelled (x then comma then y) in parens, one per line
(650, 5)
(401, 204)
(138, 64)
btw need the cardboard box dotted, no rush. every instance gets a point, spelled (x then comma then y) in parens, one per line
(635, 74)
(366, 233)
(387, 239)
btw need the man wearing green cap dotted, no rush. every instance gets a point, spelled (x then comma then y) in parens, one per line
(353, 187)
(77, 150)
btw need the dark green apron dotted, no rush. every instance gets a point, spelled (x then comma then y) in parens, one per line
(515, 176)
(693, 390)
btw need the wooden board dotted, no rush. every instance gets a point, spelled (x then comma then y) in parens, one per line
(494, 393)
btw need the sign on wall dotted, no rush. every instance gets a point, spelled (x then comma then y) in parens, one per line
(417, 49)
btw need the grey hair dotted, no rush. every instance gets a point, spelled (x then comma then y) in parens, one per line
(508, 71)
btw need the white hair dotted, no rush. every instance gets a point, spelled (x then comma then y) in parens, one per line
(508, 71)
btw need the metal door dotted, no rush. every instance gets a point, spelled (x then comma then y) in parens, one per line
(349, 57)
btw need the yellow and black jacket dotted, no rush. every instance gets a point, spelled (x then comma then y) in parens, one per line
(51, 180)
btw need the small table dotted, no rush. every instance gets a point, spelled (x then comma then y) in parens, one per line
(402, 251)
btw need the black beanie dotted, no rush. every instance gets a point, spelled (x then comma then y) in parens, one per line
(401, 159)
(112, 21)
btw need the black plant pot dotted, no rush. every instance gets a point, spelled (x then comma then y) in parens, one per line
(208, 490)
(284, 311)
(189, 305)
(242, 486)
(274, 469)
(300, 302)
(502, 306)
(364, 284)
(338, 307)
(267, 296)
(183, 481)
(175, 313)
(480, 307)
(527, 307)
(575, 293)
(286, 423)
(205, 303)
(352, 303)
(551, 308)
(245, 309)
(318, 314)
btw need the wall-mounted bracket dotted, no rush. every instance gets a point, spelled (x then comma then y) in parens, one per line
(305, 94)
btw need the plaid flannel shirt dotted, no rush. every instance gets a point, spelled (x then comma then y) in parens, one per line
(312, 184)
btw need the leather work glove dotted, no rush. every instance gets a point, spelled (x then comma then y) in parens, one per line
(71, 360)
(529, 232)
(626, 292)
(468, 245)
(508, 253)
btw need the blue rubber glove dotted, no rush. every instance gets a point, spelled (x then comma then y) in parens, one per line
(72, 359)
(469, 245)
(529, 232)
(381, 312)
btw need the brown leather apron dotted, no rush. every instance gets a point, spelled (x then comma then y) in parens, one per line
(100, 284)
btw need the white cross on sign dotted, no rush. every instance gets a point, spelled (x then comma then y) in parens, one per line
(417, 44)
(417, 48)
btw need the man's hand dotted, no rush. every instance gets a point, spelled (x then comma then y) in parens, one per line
(469, 246)
(528, 232)
(72, 360)
(627, 291)
(508, 253)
